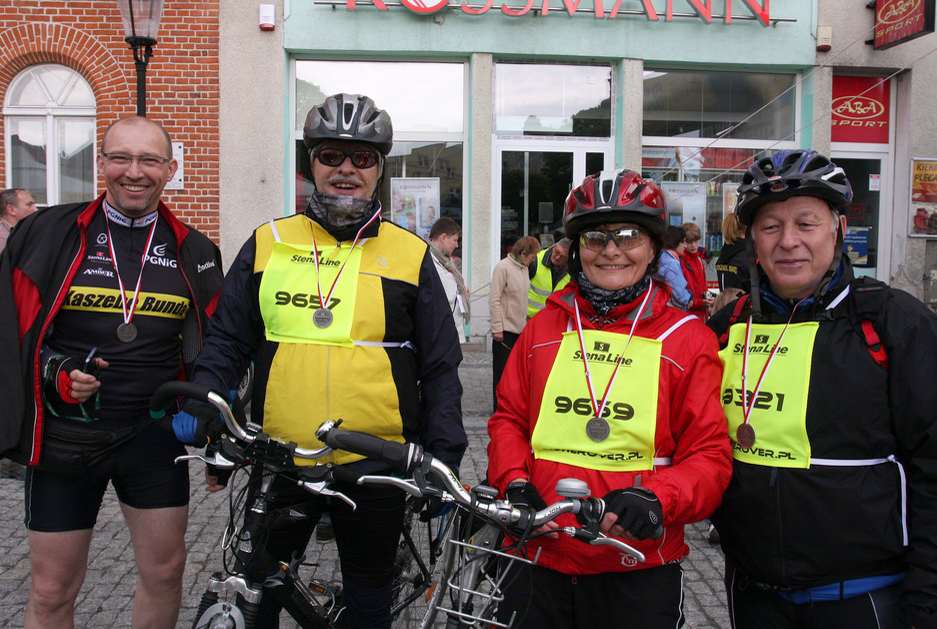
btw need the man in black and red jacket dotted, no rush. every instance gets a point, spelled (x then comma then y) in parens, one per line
(110, 299)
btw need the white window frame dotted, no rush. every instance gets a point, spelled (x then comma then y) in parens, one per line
(50, 112)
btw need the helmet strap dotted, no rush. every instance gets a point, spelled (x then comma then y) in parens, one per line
(837, 258)
(753, 273)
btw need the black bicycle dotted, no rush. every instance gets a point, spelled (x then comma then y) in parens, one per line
(250, 572)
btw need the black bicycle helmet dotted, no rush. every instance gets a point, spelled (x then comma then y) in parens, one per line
(349, 117)
(787, 174)
(615, 196)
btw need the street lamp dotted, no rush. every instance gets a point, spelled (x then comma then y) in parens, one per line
(141, 21)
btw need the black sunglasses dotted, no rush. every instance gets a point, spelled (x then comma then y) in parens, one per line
(360, 158)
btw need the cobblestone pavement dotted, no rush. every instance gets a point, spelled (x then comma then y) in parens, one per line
(105, 599)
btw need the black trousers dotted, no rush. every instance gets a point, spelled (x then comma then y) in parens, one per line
(752, 607)
(545, 599)
(500, 350)
(367, 544)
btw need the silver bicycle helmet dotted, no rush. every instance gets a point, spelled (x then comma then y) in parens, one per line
(349, 117)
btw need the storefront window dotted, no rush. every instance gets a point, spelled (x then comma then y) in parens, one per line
(551, 100)
(700, 186)
(423, 175)
(420, 97)
(50, 129)
(727, 105)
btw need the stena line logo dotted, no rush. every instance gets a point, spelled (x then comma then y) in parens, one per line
(857, 107)
(424, 7)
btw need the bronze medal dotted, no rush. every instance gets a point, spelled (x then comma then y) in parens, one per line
(126, 332)
(598, 429)
(322, 317)
(745, 436)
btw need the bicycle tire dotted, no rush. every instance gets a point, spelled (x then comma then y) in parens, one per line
(224, 615)
(409, 580)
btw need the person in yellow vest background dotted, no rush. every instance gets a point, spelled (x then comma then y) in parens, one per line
(548, 273)
(611, 386)
(345, 318)
(830, 519)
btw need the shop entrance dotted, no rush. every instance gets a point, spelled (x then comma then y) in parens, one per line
(530, 185)
(864, 240)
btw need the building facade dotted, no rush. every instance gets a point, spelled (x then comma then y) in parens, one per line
(66, 74)
(500, 108)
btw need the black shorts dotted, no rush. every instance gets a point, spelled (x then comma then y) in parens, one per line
(143, 472)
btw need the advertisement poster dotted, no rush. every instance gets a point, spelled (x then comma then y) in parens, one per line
(686, 203)
(856, 245)
(924, 197)
(860, 109)
(414, 203)
(730, 194)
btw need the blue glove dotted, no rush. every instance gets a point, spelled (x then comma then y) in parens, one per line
(198, 425)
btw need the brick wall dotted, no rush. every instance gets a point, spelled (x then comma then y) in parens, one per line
(181, 79)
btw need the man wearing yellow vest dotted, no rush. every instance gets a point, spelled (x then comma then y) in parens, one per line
(830, 519)
(345, 318)
(548, 273)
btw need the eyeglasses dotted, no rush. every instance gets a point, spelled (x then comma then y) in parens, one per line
(624, 239)
(145, 161)
(360, 158)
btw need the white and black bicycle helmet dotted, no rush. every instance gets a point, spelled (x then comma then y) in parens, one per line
(349, 117)
(786, 174)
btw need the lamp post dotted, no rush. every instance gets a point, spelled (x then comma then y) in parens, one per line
(141, 21)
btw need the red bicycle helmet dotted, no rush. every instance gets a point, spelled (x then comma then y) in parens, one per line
(615, 196)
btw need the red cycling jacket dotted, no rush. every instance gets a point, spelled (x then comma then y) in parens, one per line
(691, 429)
(695, 273)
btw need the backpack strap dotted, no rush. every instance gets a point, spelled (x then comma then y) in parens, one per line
(742, 304)
(868, 305)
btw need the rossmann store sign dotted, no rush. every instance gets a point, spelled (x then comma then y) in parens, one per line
(660, 10)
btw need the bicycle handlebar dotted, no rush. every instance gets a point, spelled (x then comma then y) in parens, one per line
(202, 393)
(407, 458)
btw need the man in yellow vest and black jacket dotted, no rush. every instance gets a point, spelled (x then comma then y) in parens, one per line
(346, 318)
(548, 274)
(830, 519)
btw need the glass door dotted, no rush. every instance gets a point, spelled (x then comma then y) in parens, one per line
(530, 189)
(864, 239)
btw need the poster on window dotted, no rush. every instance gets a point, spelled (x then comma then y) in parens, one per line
(414, 203)
(686, 203)
(730, 195)
(856, 245)
(924, 197)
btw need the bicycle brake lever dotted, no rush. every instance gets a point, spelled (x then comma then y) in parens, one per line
(604, 540)
(217, 460)
(321, 488)
(406, 485)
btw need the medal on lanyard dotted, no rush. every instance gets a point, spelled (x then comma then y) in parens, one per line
(598, 428)
(322, 317)
(127, 331)
(745, 434)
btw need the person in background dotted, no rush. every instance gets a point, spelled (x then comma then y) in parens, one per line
(444, 239)
(673, 244)
(507, 303)
(694, 270)
(733, 262)
(652, 441)
(111, 299)
(830, 519)
(15, 205)
(547, 274)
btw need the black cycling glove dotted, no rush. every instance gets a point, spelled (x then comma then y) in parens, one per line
(638, 510)
(524, 495)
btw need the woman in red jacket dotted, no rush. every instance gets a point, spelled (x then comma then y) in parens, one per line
(694, 270)
(614, 387)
